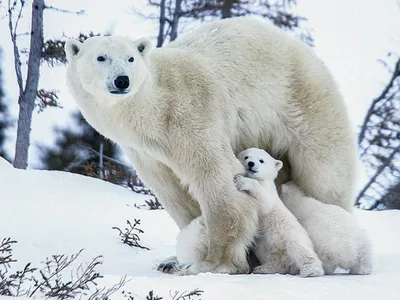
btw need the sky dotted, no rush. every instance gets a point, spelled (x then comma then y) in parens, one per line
(350, 37)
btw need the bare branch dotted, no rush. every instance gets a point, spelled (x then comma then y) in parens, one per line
(377, 173)
(80, 12)
(382, 96)
(47, 99)
(13, 34)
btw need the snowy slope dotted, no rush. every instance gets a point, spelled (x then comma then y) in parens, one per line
(61, 213)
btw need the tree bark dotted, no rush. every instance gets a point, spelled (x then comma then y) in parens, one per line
(226, 9)
(175, 20)
(160, 38)
(26, 100)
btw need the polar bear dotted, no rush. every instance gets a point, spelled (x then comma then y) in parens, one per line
(336, 236)
(181, 113)
(282, 244)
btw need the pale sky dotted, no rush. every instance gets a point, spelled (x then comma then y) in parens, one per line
(350, 37)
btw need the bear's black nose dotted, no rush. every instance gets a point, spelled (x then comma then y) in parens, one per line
(122, 82)
(250, 164)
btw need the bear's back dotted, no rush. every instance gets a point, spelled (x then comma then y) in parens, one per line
(235, 34)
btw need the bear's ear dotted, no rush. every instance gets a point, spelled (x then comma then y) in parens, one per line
(278, 164)
(72, 49)
(143, 45)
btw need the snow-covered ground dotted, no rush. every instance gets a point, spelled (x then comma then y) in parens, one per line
(60, 213)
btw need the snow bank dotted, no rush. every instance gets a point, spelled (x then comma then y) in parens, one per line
(61, 213)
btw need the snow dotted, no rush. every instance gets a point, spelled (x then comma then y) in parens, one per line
(60, 213)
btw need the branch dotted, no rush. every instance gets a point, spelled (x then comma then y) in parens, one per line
(80, 12)
(13, 33)
(106, 157)
(377, 173)
(47, 99)
(396, 73)
(78, 163)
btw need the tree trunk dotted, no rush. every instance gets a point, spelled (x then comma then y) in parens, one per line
(26, 100)
(226, 9)
(101, 163)
(226, 12)
(175, 20)
(160, 38)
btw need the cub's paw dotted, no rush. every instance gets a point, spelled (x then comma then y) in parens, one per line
(243, 183)
(312, 270)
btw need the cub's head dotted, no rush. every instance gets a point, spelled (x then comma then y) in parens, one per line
(259, 164)
(111, 67)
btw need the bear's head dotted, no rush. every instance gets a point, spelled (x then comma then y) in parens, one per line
(259, 164)
(108, 67)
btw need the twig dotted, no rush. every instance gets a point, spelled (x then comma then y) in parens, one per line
(377, 173)
(382, 96)
(80, 12)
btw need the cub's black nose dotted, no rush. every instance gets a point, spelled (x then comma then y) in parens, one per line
(122, 82)
(250, 164)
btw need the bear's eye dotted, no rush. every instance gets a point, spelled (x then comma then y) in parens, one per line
(246, 157)
(101, 58)
(261, 161)
(131, 59)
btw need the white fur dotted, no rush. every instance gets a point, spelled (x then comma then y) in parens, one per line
(282, 246)
(191, 106)
(282, 243)
(337, 238)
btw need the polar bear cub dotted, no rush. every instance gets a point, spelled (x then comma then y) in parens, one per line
(282, 242)
(336, 236)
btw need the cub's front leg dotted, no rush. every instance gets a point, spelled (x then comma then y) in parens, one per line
(255, 189)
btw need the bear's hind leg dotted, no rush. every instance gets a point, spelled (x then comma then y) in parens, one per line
(324, 171)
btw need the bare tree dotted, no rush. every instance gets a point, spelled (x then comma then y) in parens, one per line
(379, 140)
(5, 117)
(172, 11)
(27, 94)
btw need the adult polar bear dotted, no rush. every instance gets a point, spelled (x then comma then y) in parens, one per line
(182, 112)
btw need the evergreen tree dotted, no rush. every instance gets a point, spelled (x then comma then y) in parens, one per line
(5, 121)
(80, 149)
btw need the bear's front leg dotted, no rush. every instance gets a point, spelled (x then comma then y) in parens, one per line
(230, 215)
(255, 190)
(166, 186)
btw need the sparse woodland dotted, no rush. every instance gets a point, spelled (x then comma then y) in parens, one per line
(84, 151)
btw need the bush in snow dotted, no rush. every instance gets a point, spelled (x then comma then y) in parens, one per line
(130, 236)
(57, 279)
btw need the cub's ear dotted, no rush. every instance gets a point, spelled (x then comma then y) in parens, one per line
(144, 47)
(72, 49)
(278, 164)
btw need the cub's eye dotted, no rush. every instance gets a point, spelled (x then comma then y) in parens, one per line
(101, 58)
(246, 157)
(261, 161)
(131, 59)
